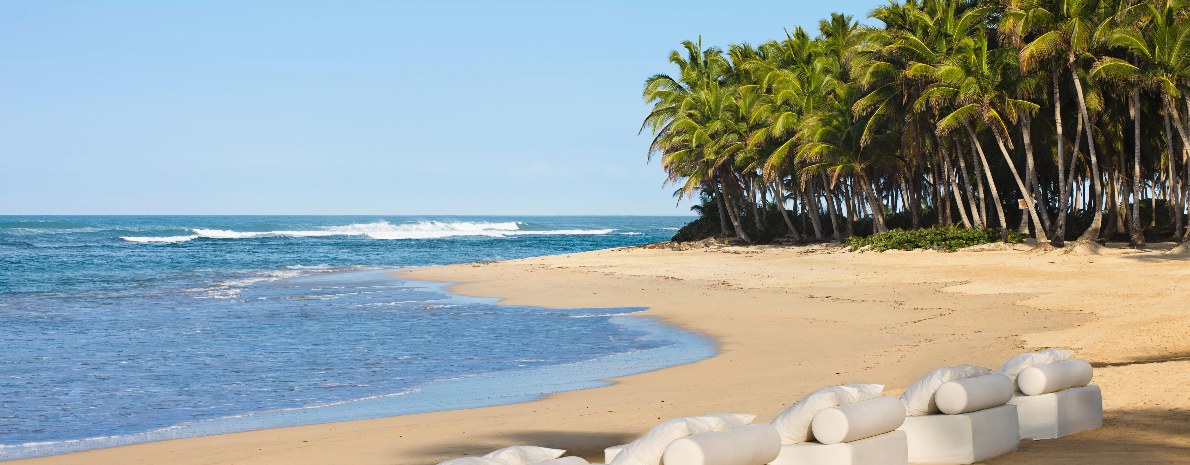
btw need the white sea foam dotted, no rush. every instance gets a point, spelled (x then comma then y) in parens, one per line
(387, 231)
(167, 239)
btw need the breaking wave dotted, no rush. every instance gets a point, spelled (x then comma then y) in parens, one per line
(381, 230)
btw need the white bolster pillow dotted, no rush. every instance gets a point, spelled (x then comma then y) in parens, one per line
(974, 394)
(1054, 377)
(851, 422)
(746, 445)
(565, 461)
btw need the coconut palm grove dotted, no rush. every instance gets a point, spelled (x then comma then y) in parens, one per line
(1064, 120)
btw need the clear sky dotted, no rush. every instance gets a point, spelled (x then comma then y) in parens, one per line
(348, 107)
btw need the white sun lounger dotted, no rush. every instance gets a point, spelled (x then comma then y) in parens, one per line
(962, 438)
(1055, 400)
(884, 449)
(976, 423)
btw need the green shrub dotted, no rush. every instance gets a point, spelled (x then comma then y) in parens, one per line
(943, 238)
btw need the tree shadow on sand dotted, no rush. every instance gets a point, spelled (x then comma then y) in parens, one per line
(1127, 436)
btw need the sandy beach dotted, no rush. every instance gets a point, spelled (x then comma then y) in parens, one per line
(789, 320)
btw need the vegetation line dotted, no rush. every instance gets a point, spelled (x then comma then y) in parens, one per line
(1068, 119)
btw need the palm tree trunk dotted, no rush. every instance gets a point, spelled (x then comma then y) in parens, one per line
(1040, 230)
(1031, 169)
(1171, 177)
(1064, 202)
(812, 210)
(751, 198)
(830, 208)
(914, 194)
(1114, 224)
(873, 203)
(722, 210)
(934, 188)
(1092, 233)
(1171, 112)
(954, 185)
(945, 215)
(983, 203)
(1138, 235)
(851, 216)
(1059, 230)
(938, 192)
(991, 182)
(733, 213)
(958, 151)
(780, 201)
(763, 202)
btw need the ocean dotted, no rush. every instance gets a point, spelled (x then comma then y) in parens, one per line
(127, 329)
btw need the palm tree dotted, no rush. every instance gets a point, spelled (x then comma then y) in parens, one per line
(1158, 42)
(1068, 32)
(863, 119)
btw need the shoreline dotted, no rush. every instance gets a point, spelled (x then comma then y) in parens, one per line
(789, 320)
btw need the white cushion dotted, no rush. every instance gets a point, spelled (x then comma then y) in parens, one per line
(963, 438)
(1058, 414)
(1054, 377)
(744, 445)
(730, 420)
(648, 449)
(919, 397)
(521, 455)
(1014, 365)
(885, 449)
(973, 394)
(794, 423)
(851, 422)
(611, 452)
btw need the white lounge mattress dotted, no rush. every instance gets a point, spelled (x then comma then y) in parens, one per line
(885, 449)
(965, 438)
(1058, 414)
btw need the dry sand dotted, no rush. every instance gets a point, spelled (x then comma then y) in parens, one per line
(790, 320)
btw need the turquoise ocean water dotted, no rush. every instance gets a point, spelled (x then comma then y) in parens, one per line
(118, 330)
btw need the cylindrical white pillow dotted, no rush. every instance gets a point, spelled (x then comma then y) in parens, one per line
(973, 394)
(1054, 377)
(851, 422)
(745, 445)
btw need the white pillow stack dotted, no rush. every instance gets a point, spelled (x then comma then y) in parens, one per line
(794, 424)
(919, 398)
(649, 449)
(1014, 366)
(515, 455)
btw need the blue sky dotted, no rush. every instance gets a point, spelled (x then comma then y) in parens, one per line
(361, 107)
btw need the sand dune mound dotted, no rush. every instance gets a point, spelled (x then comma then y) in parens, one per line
(1082, 248)
(1181, 249)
